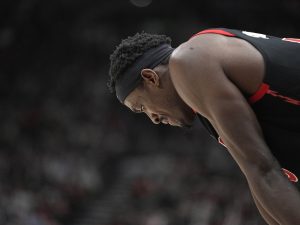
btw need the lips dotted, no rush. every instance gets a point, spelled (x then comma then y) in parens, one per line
(163, 119)
(166, 120)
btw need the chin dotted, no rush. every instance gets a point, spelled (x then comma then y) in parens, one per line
(187, 122)
(184, 121)
(179, 123)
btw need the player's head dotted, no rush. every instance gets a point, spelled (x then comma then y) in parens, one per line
(139, 74)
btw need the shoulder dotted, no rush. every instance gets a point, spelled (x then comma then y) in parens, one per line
(200, 46)
(198, 57)
(213, 56)
(224, 49)
(196, 66)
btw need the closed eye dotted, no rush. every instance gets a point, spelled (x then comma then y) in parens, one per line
(141, 110)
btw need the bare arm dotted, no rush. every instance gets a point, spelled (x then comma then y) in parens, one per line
(267, 217)
(201, 82)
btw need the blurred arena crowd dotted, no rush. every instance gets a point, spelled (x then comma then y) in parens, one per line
(69, 148)
(168, 189)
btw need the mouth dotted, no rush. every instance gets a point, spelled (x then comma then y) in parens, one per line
(168, 121)
(164, 119)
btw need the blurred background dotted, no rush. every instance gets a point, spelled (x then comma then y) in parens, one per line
(72, 155)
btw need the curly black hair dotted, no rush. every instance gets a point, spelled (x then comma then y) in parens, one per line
(129, 50)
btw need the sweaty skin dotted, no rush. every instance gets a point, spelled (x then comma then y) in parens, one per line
(210, 72)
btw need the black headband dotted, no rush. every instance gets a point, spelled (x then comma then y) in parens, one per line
(131, 78)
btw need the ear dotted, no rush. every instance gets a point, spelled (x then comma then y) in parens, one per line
(150, 77)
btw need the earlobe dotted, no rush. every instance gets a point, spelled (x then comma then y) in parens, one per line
(150, 76)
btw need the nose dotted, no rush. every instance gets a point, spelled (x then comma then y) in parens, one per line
(154, 118)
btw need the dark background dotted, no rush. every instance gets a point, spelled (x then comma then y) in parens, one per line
(71, 154)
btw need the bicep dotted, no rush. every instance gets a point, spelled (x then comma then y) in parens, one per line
(236, 123)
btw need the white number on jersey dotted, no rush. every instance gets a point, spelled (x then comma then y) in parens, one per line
(256, 35)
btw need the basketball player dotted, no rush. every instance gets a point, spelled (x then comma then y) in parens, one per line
(245, 89)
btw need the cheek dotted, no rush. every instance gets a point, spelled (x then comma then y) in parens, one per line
(162, 104)
(171, 109)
